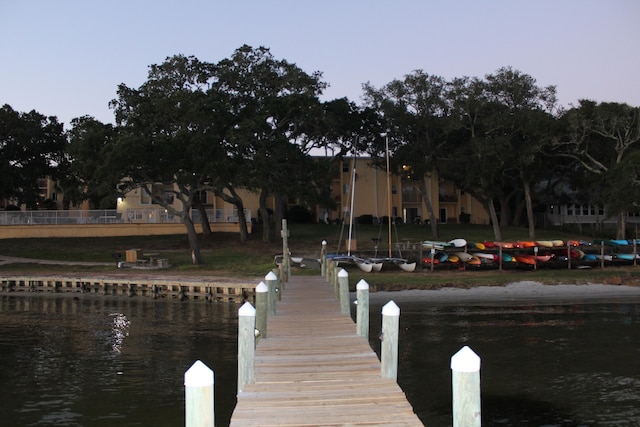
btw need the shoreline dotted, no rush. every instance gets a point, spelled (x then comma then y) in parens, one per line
(517, 293)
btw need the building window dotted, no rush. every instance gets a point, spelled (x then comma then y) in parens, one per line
(345, 166)
(201, 197)
(145, 198)
(411, 194)
(168, 197)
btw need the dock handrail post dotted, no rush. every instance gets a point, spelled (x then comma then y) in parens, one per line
(199, 396)
(334, 277)
(343, 283)
(246, 345)
(279, 272)
(262, 309)
(286, 257)
(362, 310)
(331, 268)
(271, 280)
(465, 378)
(389, 338)
(323, 259)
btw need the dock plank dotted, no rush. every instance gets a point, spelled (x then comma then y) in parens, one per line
(313, 369)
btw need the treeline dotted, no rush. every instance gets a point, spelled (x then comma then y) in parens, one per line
(254, 121)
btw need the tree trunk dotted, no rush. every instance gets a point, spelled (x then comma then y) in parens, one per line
(505, 212)
(278, 214)
(194, 245)
(204, 219)
(497, 234)
(529, 203)
(622, 225)
(236, 201)
(242, 222)
(433, 220)
(266, 221)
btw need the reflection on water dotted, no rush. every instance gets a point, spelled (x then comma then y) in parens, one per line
(556, 365)
(95, 361)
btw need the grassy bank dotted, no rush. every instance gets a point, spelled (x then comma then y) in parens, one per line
(226, 256)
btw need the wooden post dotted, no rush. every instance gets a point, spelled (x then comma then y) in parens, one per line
(332, 273)
(362, 311)
(286, 258)
(343, 283)
(198, 396)
(262, 309)
(271, 281)
(323, 259)
(389, 338)
(246, 345)
(433, 256)
(465, 370)
(336, 287)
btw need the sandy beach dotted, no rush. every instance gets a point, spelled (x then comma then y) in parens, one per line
(518, 292)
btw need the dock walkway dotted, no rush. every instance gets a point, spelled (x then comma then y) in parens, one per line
(314, 370)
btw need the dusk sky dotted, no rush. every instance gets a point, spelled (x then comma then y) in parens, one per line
(66, 58)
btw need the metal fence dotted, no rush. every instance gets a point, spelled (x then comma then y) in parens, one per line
(112, 216)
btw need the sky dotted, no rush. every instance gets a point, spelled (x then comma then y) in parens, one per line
(66, 58)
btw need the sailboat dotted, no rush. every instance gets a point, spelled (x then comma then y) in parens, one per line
(364, 264)
(402, 263)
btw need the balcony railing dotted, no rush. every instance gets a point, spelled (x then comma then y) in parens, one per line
(112, 216)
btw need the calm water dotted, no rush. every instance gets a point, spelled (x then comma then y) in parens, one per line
(553, 365)
(97, 361)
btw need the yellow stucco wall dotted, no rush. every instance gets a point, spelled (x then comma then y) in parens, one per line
(105, 230)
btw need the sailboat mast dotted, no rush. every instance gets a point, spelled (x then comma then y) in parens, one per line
(389, 194)
(353, 192)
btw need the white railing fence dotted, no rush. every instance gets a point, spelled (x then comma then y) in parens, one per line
(112, 216)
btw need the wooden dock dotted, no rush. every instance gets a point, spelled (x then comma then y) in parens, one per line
(314, 370)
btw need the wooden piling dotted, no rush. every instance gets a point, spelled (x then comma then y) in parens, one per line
(343, 284)
(262, 309)
(199, 396)
(271, 281)
(362, 310)
(389, 338)
(465, 377)
(323, 259)
(246, 345)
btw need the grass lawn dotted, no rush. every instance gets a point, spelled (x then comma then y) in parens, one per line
(226, 256)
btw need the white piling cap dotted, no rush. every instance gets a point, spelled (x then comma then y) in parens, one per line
(198, 375)
(324, 243)
(262, 287)
(271, 276)
(247, 310)
(465, 360)
(343, 273)
(391, 309)
(362, 285)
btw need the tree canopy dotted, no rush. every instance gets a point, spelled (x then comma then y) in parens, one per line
(255, 122)
(32, 147)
